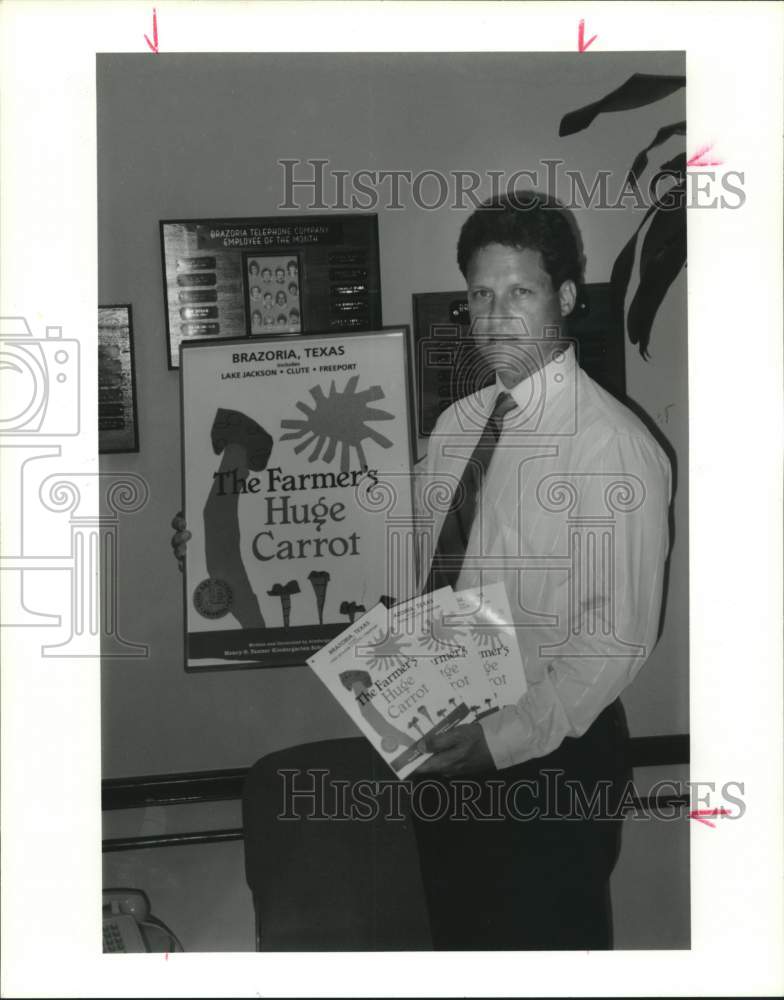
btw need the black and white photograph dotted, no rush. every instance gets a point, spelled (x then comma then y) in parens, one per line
(391, 576)
(117, 418)
(558, 466)
(273, 298)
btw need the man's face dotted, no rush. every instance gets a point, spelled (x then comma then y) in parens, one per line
(512, 302)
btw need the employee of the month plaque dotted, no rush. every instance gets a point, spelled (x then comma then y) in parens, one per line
(261, 277)
(296, 478)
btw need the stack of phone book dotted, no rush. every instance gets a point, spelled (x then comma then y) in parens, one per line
(423, 666)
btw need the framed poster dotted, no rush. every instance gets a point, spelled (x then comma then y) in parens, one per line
(447, 369)
(117, 418)
(260, 277)
(297, 453)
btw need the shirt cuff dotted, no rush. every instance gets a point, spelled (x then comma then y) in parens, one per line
(534, 727)
(507, 734)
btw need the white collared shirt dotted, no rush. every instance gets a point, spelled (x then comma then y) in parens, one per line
(574, 519)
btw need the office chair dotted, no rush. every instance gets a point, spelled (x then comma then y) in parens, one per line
(330, 884)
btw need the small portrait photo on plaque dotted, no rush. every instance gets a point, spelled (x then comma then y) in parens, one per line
(272, 293)
(117, 423)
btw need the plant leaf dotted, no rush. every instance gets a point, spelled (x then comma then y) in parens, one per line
(664, 133)
(621, 273)
(662, 256)
(622, 268)
(640, 89)
(667, 226)
(677, 165)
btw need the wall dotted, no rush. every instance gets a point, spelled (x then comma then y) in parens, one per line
(196, 136)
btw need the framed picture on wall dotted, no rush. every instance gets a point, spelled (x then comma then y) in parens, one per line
(442, 349)
(447, 368)
(260, 277)
(272, 293)
(117, 418)
(297, 452)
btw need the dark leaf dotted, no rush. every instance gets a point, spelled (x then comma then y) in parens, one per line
(668, 203)
(667, 226)
(677, 165)
(662, 256)
(621, 273)
(673, 172)
(640, 89)
(622, 268)
(665, 133)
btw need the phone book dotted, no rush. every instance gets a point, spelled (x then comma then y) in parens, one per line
(409, 671)
(486, 613)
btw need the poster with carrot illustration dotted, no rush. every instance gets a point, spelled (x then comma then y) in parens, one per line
(297, 454)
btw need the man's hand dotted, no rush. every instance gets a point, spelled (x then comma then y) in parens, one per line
(180, 538)
(459, 752)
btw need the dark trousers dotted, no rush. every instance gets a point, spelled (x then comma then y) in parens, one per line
(526, 866)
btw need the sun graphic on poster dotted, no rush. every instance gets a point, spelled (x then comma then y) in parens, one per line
(387, 650)
(339, 419)
(441, 635)
(486, 636)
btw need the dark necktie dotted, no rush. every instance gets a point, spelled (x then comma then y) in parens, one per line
(456, 529)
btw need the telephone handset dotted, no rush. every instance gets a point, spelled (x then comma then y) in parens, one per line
(123, 911)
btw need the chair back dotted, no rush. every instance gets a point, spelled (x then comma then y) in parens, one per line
(329, 864)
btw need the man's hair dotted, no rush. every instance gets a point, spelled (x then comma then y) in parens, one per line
(525, 220)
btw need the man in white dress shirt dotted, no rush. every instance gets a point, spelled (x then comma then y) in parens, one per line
(572, 515)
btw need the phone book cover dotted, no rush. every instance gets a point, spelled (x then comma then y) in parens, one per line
(387, 671)
(416, 669)
(485, 613)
